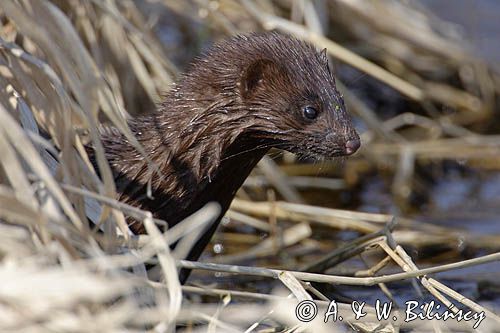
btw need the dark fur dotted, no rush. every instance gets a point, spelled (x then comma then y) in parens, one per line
(245, 95)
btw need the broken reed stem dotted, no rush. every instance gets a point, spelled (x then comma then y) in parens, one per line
(462, 299)
(334, 279)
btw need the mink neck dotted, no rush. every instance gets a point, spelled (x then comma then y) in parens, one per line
(204, 152)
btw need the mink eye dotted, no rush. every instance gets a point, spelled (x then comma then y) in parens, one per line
(310, 112)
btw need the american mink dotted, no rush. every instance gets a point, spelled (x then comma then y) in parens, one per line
(245, 95)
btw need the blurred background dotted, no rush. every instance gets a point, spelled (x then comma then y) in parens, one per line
(421, 80)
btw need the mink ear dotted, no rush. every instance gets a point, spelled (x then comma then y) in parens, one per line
(324, 57)
(254, 76)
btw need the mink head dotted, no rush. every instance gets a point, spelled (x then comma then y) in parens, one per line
(277, 90)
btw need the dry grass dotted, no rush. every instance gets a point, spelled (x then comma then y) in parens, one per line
(67, 65)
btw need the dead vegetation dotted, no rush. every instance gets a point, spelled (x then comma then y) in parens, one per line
(67, 65)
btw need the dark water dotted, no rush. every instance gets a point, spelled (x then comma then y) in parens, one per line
(460, 198)
(479, 21)
(472, 202)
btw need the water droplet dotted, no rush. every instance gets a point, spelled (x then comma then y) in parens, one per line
(218, 248)
(225, 220)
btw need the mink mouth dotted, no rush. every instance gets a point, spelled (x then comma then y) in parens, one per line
(314, 152)
(321, 147)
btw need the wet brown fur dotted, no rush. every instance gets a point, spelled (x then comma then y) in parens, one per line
(244, 96)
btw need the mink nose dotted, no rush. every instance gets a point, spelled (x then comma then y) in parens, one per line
(352, 146)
